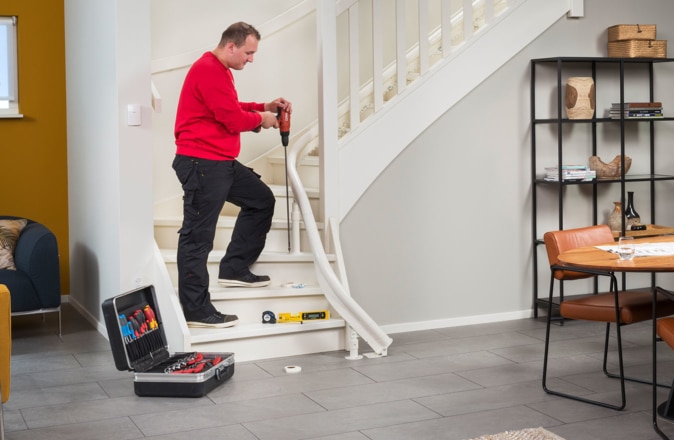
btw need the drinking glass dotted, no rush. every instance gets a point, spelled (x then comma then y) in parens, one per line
(626, 248)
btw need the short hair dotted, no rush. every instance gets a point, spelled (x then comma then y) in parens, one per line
(237, 34)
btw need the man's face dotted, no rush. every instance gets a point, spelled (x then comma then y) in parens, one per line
(240, 56)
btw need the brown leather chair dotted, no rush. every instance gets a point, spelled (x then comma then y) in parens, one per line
(613, 306)
(665, 331)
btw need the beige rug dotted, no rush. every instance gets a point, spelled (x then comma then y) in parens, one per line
(523, 434)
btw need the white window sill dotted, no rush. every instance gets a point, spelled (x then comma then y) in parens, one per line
(8, 116)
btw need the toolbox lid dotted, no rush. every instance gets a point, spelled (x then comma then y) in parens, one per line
(135, 329)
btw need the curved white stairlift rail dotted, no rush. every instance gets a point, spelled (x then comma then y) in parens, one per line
(333, 289)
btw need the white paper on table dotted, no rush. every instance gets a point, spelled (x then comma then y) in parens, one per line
(645, 249)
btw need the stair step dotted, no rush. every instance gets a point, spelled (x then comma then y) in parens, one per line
(308, 170)
(279, 340)
(282, 267)
(242, 331)
(224, 221)
(312, 161)
(221, 293)
(171, 256)
(166, 233)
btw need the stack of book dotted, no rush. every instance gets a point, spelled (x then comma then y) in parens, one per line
(634, 110)
(577, 173)
(570, 173)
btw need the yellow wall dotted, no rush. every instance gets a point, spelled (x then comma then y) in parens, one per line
(34, 149)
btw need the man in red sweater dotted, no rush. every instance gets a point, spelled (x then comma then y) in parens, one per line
(209, 121)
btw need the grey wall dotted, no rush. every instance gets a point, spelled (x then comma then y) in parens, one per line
(443, 237)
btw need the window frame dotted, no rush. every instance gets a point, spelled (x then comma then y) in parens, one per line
(9, 94)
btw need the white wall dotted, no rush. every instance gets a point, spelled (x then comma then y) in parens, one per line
(109, 163)
(448, 223)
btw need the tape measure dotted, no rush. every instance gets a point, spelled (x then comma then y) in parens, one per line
(268, 317)
(304, 316)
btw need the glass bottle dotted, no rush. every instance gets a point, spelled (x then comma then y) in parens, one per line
(631, 215)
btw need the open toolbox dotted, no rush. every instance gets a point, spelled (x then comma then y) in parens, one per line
(138, 344)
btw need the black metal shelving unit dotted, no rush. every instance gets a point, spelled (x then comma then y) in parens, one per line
(591, 65)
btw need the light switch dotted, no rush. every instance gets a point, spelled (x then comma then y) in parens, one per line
(133, 114)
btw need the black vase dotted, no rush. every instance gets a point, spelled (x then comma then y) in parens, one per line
(631, 215)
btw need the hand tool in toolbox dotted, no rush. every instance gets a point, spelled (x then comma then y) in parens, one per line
(138, 344)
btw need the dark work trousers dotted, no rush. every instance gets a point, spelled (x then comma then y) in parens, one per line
(207, 185)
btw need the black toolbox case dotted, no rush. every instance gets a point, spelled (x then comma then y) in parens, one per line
(142, 348)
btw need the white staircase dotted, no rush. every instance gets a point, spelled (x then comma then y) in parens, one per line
(294, 287)
(300, 282)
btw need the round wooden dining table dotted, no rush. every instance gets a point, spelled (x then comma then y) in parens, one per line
(593, 257)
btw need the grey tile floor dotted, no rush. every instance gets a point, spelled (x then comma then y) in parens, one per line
(453, 383)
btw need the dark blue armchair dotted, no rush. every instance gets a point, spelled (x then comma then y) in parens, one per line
(35, 285)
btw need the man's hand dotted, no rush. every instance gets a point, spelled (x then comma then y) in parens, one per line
(268, 119)
(278, 103)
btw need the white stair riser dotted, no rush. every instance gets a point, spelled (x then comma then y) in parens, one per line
(280, 208)
(279, 273)
(174, 208)
(308, 174)
(268, 347)
(250, 311)
(277, 238)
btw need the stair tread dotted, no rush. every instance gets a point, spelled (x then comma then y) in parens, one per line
(223, 222)
(170, 256)
(307, 160)
(242, 331)
(276, 290)
(280, 190)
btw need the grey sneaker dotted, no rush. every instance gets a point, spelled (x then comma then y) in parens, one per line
(248, 280)
(216, 320)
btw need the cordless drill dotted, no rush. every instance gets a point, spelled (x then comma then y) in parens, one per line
(283, 117)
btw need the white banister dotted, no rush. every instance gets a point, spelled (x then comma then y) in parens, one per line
(377, 54)
(467, 19)
(488, 10)
(446, 27)
(354, 66)
(424, 32)
(401, 46)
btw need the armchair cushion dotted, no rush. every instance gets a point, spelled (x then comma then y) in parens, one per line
(9, 234)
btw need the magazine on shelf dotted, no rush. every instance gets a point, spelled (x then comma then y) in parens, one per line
(570, 173)
(634, 110)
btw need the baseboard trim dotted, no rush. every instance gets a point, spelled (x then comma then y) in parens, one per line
(456, 322)
(100, 327)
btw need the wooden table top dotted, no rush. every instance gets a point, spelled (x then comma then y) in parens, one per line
(592, 258)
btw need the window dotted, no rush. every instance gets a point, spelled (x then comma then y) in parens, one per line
(9, 90)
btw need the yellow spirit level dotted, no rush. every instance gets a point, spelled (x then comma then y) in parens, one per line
(303, 316)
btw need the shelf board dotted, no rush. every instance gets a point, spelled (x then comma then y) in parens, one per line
(602, 120)
(651, 231)
(628, 178)
(601, 60)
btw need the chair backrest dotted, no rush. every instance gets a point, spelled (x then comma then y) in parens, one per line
(557, 242)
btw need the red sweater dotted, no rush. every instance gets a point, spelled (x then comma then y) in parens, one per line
(210, 117)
